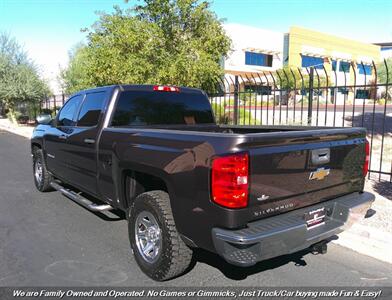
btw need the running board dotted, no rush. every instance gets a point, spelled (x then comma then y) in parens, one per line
(80, 199)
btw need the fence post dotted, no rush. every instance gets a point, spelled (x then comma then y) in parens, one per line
(236, 90)
(54, 109)
(310, 99)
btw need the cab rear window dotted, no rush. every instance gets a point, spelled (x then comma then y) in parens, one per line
(140, 108)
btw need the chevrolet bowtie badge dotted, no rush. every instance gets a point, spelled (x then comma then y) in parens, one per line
(319, 174)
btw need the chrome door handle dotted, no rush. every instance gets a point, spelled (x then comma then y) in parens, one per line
(321, 156)
(89, 141)
(62, 137)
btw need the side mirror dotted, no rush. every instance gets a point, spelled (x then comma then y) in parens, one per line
(44, 119)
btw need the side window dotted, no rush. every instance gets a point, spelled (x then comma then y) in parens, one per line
(67, 113)
(91, 109)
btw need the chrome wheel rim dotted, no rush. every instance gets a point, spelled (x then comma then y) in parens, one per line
(148, 236)
(38, 171)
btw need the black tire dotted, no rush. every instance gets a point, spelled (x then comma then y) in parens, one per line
(174, 256)
(42, 183)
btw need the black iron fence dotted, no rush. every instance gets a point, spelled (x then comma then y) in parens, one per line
(356, 96)
(315, 96)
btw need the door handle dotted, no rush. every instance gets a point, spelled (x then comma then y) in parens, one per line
(321, 156)
(62, 137)
(89, 141)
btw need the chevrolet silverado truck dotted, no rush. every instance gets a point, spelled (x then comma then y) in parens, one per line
(184, 182)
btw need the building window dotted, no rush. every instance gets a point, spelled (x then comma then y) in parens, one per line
(343, 91)
(334, 63)
(362, 94)
(365, 69)
(258, 59)
(258, 89)
(310, 61)
(344, 66)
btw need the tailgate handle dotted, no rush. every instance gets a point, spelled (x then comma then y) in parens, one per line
(320, 156)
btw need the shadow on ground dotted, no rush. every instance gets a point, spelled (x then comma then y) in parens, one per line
(241, 273)
(372, 122)
(384, 188)
(229, 270)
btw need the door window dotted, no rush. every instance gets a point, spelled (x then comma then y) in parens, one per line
(68, 112)
(91, 109)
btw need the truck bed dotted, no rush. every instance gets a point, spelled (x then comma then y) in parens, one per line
(280, 166)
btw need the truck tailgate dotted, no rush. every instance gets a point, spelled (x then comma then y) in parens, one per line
(302, 170)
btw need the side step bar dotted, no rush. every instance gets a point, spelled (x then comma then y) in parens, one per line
(80, 199)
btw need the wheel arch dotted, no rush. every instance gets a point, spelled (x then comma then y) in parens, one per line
(35, 145)
(134, 183)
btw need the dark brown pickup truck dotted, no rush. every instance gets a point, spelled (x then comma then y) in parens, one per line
(246, 193)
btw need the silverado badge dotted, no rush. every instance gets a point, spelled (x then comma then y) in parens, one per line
(319, 174)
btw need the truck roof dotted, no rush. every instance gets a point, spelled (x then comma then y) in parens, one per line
(137, 87)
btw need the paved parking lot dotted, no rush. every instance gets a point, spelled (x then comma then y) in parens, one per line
(48, 240)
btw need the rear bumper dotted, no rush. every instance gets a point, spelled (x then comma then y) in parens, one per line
(287, 233)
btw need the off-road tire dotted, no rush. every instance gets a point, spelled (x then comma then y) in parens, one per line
(175, 256)
(42, 185)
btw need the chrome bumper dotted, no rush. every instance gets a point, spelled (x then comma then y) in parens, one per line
(288, 233)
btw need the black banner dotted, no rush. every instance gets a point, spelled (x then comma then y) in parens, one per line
(196, 292)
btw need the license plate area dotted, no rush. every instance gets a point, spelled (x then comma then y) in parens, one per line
(315, 218)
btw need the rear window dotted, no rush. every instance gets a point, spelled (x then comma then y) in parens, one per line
(138, 108)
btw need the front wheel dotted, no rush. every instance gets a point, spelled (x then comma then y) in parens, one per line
(42, 178)
(158, 249)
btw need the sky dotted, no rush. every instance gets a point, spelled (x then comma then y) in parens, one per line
(48, 29)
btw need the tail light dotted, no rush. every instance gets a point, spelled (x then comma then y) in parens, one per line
(367, 157)
(230, 180)
(166, 88)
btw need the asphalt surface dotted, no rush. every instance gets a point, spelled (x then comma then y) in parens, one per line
(48, 240)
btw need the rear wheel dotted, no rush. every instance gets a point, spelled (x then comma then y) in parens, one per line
(158, 249)
(42, 178)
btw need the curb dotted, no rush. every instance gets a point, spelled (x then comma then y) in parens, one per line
(17, 131)
(363, 239)
(368, 241)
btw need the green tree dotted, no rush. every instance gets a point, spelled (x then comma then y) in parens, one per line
(19, 78)
(383, 73)
(73, 77)
(290, 78)
(293, 80)
(178, 42)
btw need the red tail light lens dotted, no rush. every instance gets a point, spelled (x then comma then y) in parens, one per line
(367, 158)
(166, 88)
(230, 180)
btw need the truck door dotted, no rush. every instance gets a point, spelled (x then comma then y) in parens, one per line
(55, 139)
(82, 143)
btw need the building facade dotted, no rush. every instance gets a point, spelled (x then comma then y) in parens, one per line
(386, 50)
(346, 62)
(258, 51)
(253, 50)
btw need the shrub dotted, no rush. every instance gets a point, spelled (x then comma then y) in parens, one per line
(23, 119)
(46, 111)
(381, 101)
(13, 116)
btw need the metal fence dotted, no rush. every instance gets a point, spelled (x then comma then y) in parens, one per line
(312, 96)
